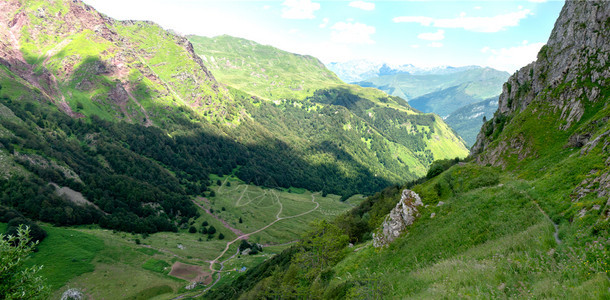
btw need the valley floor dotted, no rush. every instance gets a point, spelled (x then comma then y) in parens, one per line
(117, 265)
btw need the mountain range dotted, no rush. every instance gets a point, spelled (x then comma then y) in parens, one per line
(441, 90)
(127, 149)
(526, 216)
(123, 125)
(354, 71)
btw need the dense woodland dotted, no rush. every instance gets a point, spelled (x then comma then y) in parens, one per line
(140, 178)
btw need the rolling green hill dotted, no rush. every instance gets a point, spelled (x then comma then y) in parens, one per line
(525, 217)
(261, 70)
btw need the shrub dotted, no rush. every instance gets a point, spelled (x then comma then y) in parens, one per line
(192, 229)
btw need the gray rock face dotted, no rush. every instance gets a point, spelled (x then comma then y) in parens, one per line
(401, 216)
(577, 51)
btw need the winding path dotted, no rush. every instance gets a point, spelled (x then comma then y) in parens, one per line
(226, 225)
(556, 233)
(244, 237)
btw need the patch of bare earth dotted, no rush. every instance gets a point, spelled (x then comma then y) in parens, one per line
(191, 273)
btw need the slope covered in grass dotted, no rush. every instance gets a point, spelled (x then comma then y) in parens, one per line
(527, 216)
(261, 70)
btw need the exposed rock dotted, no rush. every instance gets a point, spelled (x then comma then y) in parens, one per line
(590, 145)
(440, 203)
(432, 215)
(577, 52)
(578, 140)
(594, 183)
(72, 294)
(401, 216)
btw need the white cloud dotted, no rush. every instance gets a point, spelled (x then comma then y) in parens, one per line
(537, 1)
(432, 36)
(415, 46)
(352, 33)
(267, 7)
(435, 45)
(362, 5)
(477, 7)
(477, 24)
(513, 58)
(324, 23)
(299, 9)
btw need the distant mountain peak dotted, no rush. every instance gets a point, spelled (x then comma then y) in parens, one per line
(363, 69)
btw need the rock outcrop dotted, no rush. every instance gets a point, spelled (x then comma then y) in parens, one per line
(570, 73)
(401, 216)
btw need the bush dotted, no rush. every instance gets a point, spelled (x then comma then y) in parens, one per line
(192, 229)
(221, 236)
(205, 223)
(17, 282)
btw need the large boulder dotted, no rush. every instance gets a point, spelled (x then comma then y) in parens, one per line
(401, 216)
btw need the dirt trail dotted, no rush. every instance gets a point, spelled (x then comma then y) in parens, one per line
(226, 225)
(556, 233)
(241, 236)
(246, 236)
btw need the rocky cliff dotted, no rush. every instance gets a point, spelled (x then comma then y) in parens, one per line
(571, 74)
(401, 216)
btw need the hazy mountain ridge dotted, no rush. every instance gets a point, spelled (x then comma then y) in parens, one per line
(444, 93)
(468, 119)
(360, 70)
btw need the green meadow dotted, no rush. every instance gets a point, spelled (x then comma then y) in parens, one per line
(107, 264)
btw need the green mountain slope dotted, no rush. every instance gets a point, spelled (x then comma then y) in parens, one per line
(526, 217)
(446, 101)
(387, 128)
(467, 120)
(126, 114)
(261, 70)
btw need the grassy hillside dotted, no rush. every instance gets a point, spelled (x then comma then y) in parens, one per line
(527, 216)
(379, 131)
(261, 70)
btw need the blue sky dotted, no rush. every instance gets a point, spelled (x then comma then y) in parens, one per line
(502, 34)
